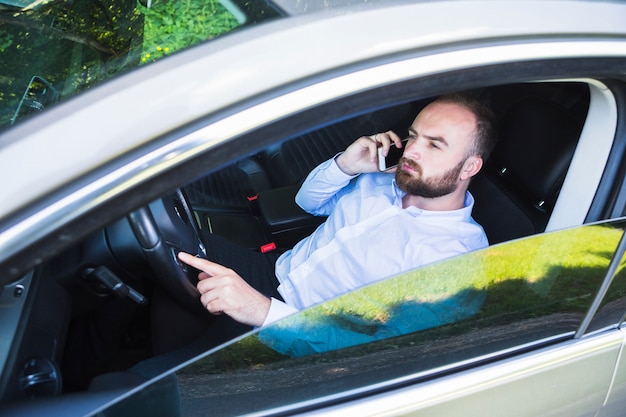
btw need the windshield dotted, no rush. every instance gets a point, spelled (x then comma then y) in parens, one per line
(52, 50)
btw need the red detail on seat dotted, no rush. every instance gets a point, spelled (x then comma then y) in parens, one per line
(268, 247)
(253, 197)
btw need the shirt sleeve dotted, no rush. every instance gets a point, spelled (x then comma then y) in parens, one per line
(322, 187)
(278, 310)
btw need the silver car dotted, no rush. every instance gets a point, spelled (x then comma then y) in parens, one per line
(129, 129)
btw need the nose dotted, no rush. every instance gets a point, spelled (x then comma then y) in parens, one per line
(411, 150)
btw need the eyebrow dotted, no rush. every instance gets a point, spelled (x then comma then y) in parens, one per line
(439, 139)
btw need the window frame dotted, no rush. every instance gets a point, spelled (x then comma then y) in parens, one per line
(237, 132)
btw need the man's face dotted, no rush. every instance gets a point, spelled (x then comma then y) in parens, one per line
(415, 183)
(440, 141)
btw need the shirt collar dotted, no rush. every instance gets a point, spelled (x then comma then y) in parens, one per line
(464, 213)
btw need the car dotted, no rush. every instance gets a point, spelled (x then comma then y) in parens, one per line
(183, 132)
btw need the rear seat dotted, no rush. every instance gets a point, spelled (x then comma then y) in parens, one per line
(290, 162)
(222, 198)
(287, 163)
(518, 187)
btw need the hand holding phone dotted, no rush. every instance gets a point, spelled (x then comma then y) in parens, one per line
(393, 156)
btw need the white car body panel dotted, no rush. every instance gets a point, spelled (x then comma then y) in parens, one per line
(535, 384)
(615, 403)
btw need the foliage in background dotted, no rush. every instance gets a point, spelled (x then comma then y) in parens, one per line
(71, 45)
(74, 45)
(174, 25)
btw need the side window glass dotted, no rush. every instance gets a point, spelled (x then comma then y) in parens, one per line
(529, 292)
(611, 311)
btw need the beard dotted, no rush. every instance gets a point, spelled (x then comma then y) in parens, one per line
(414, 183)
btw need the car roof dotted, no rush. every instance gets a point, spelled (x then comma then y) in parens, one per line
(295, 7)
(61, 146)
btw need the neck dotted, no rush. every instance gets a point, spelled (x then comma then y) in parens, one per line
(452, 201)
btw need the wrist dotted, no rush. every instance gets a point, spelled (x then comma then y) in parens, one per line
(343, 166)
(262, 311)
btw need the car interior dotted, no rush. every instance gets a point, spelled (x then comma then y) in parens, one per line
(251, 202)
(82, 328)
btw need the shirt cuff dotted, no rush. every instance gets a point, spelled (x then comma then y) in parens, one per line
(278, 310)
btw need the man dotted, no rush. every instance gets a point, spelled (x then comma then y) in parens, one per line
(378, 224)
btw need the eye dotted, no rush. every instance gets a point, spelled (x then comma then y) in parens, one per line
(434, 145)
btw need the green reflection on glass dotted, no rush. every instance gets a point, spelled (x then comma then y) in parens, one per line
(532, 288)
(562, 269)
(71, 45)
(545, 274)
(611, 312)
(74, 45)
(542, 275)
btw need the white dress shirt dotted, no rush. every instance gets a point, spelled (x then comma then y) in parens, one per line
(367, 237)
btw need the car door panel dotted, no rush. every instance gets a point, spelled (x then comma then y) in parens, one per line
(615, 401)
(569, 379)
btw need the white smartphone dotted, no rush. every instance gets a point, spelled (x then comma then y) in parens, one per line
(392, 158)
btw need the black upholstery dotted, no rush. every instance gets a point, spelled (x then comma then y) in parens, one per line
(539, 142)
(292, 161)
(229, 188)
(289, 163)
(516, 191)
(283, 219)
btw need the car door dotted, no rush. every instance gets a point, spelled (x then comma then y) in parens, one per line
(544, 339)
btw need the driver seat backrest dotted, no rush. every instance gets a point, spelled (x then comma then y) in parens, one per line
(518, 187)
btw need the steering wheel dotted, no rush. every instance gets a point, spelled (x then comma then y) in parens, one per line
(164, 228)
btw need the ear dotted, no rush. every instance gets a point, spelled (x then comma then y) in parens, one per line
(472, 165)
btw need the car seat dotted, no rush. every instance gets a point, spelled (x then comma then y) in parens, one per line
(518, 186)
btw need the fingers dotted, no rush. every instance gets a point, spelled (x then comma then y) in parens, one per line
(372, 145)
(204, 265)
(221, 276)
(230, 294)
(218, 289)
(385, 140)
(223, 291)
(211, 304)
(362, 155)
(214, 295)
(357, 158)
